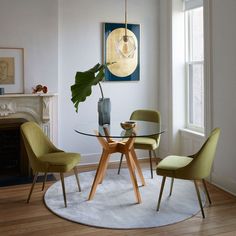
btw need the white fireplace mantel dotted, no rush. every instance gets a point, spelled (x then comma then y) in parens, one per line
(41, 108)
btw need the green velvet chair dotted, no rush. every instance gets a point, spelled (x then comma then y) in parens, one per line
(146, 143)
(45, 157)
(195, 167)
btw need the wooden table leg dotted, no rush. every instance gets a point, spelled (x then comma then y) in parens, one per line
(110, 146)
(133, 177)
(99, 173)
(104, 169)
(137, 166)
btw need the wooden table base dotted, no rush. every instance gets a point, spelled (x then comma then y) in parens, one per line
(111, 146)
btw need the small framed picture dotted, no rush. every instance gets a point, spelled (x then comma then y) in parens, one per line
(12, 70)
(122, 49)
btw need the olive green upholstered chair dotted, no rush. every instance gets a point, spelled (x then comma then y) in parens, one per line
(146, 143)
(195, 167)
(45, 157)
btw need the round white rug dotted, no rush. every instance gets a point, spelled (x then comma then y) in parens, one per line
(114, 205)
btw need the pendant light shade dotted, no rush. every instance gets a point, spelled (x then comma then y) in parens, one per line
(126, 44)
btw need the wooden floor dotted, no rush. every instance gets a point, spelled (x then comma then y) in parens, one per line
(19, 218)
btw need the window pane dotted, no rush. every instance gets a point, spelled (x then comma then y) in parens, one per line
(196, 34)
(196, 95)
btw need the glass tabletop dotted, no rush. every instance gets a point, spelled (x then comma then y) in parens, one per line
(114, 130)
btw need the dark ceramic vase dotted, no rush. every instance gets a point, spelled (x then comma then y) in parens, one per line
(104, 111)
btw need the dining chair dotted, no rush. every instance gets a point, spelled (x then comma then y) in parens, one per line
(45, 157)
(194, 167)
(146, 143)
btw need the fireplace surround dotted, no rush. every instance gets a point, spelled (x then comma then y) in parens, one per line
(16, 109)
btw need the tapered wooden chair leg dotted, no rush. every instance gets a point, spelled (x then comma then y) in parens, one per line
(32, 186)
(121, 159)
(63, 188)
(171, 186)
(44, 181)
(207, 193)
(150, 159)
(199, 198)
(161, 191)
(77, 177)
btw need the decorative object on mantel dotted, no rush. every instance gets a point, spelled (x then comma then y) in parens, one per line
(121, 44)
(83, 88)
(40, 88)
(12, 69)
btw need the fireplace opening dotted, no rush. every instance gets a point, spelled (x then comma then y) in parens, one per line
(13, 157)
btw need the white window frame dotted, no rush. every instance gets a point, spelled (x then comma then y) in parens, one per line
(190, 63)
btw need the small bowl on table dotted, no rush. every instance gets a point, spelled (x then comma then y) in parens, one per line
(127, 125)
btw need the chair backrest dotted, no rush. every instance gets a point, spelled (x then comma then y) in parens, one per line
(200, 166)
(36, 142)
(147, 115)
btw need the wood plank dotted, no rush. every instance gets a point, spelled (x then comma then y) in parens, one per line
(19, 218)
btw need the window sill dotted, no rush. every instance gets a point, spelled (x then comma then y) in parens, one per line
(191, 132)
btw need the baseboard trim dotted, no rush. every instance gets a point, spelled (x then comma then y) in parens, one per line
(112, 164)
(226, 184)
(93, 158)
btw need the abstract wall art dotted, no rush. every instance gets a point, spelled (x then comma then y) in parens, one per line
(123, 51)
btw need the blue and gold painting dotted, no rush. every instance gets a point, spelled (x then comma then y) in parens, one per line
(122, 49)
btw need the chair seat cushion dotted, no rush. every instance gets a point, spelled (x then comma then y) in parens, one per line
(60, 161)
(145, 143)
(170, 164)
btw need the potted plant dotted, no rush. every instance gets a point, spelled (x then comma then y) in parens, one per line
(82, 88)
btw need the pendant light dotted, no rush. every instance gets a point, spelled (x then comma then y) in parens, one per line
(126, 44)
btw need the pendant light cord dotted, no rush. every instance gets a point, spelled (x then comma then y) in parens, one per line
(125, 17)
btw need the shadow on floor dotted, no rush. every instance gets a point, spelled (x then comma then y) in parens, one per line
(16, 180)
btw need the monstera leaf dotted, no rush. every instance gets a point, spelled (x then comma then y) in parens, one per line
(84, 82)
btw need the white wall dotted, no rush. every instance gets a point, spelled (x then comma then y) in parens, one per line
(33, 25)
(223, 90)
(80, 45)
(172, 89)
(61, 37)
(223, 86)
(165, 72)
(178, 73)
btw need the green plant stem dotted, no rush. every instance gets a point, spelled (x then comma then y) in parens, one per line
(100, 86)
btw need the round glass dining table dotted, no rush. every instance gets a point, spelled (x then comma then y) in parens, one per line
(141, 129)
(106, 134)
